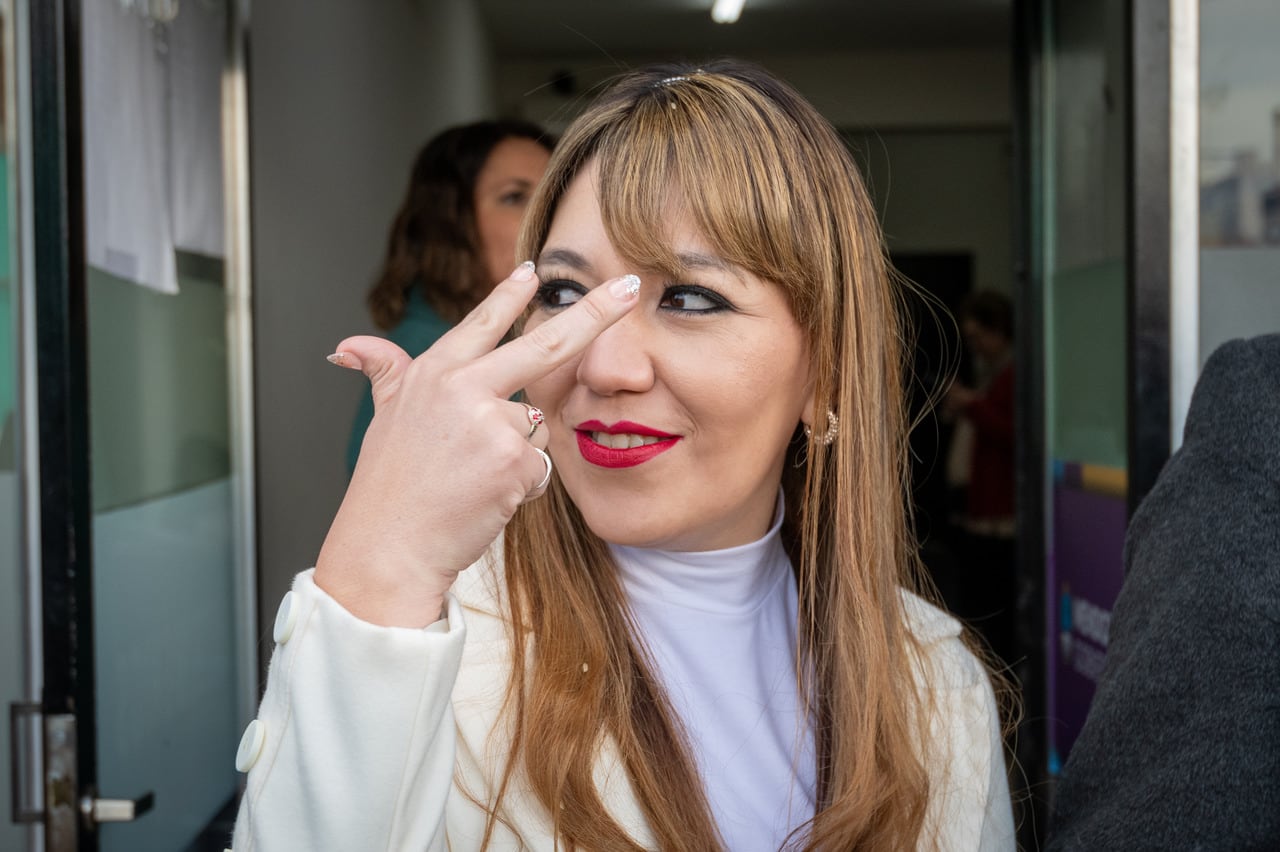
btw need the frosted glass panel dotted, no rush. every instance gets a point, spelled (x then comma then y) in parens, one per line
(1086, 387)
(1086, 180)
(158, 382)
(164, 563)
(166, 694)
(163, 557)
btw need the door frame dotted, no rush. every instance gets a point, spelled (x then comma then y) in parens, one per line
(67, 698)
(58, 742)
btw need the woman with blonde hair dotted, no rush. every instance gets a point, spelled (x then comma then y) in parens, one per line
(696, 631)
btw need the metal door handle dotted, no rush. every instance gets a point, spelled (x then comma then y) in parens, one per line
(96, 810)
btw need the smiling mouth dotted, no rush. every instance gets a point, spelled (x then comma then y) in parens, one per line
(624, 444)
(625, 440)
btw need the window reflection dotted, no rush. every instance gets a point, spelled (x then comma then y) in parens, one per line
(1239, 123)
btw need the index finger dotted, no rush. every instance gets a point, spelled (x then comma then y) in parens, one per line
(556, 341)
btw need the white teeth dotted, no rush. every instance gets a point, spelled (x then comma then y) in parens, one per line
(623, 441)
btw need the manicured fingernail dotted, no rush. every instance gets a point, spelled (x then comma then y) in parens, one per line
(344, 359)
(524, 272)
(626, 288)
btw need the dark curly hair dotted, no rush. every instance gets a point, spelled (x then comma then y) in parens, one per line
(434, 242)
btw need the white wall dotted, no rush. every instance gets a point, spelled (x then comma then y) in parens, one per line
(342, 94)
(865, 89)
(945, 191)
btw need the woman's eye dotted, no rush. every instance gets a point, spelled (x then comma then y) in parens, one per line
(556, 294)
(693, 300)
(518, 198)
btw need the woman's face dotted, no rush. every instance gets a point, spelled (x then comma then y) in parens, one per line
(502, 191)
(670, 430)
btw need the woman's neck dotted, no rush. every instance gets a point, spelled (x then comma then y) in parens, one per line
(724, 581)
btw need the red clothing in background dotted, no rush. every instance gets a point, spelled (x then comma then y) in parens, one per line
(991, 473)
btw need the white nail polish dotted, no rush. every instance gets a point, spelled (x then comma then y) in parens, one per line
(626, 287)
(523, 272)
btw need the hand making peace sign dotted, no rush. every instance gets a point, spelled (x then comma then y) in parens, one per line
(448, 457)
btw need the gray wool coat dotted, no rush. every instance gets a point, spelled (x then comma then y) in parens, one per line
(1181, 749)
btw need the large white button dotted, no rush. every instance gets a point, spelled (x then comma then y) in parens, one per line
(255, 736)
(286, 615)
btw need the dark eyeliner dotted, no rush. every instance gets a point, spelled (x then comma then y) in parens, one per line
(548, 290)
(718, 302)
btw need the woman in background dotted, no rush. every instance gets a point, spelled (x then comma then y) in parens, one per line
(454, 235)
(989, 577)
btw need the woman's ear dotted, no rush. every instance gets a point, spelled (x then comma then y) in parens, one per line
(828, 423)
(809, 414)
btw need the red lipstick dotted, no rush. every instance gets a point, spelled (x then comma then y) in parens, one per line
(602, 456)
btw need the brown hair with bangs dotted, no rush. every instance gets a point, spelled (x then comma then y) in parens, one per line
(774, 191)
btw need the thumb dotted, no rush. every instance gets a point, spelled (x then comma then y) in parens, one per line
(379, 359)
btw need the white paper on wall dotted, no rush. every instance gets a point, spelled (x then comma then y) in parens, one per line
(152, 140)
(197, 50)
(127, 223)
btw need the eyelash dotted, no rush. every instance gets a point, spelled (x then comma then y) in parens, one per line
(548, 290)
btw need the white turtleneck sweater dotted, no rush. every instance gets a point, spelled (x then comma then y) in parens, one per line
(721, 628)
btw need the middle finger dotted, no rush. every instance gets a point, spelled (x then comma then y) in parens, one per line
(484, 327)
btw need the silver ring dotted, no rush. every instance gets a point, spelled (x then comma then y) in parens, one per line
(538, 489)
(536, 418)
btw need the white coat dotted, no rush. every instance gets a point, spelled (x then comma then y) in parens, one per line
(360, 744)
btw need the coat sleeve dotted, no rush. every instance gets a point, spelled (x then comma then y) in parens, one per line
(353, 746)
(1181, 748)
(969, 805)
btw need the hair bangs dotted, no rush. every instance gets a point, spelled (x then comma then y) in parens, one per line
(671, 154)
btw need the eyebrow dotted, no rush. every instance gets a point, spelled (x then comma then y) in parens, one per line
(688, 259)
(698, 260)
(566, 257)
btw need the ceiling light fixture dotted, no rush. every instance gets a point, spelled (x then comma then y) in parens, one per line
(726, 11)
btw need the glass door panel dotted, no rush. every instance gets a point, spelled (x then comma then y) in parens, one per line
(164, 510)
(163, 556)
(1084, 178)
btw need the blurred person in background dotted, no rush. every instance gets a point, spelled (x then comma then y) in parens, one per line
(988, 581)
(453, 236)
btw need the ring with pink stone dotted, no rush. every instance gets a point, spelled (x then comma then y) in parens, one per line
(536, 418)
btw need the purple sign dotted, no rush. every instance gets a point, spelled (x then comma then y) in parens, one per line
(1084, 578)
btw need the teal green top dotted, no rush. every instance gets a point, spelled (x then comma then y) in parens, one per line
(420, 327)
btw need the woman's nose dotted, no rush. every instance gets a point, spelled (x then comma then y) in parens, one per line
(619, 360)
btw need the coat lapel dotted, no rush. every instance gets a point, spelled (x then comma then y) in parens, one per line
(483, 731)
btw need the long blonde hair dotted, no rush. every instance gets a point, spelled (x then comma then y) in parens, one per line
(774, 191)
